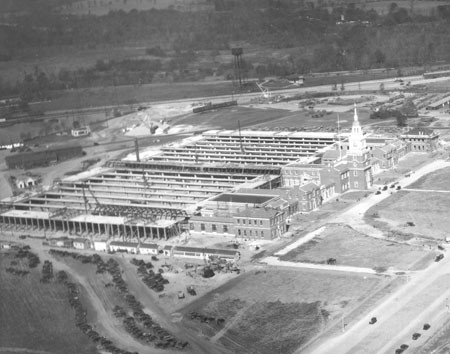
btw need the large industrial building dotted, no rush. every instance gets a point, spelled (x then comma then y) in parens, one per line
(242, 184)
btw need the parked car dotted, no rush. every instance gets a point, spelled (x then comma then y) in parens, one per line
(190, 289)
(373, 320)
(439, 257)
(426, 327)
(181, 295)
(415, 336)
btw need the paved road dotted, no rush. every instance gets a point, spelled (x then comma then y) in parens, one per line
(406, 309)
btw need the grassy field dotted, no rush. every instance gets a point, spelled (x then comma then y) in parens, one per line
(270, 310)
(228, 118)
(133, 94)
(428, 211)
(85, 7)
(420, 7)
(304, 119)
(352, 248)
(436, 181)
(36, 316)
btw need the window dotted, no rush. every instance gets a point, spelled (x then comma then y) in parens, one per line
(225, 228)
(355, 173)
(255, 221)
(202, 227)
(214, 227)
(356, 184)
(238, 221)
(239, 232)
(192, 226)
(262, 233)
(245, 232)
(250, 232)
(243, 221)
(260, 222)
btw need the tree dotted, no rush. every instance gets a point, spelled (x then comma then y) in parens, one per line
(401, 120)
(379, 57)
(409, 109)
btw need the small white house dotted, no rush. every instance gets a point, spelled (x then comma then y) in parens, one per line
(23, 182)
(83, 131)
(148, 248)
(129, 247)
(167, 250)
(100, 246)
(81, 244)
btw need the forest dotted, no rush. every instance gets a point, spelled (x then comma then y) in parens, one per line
(318, 38)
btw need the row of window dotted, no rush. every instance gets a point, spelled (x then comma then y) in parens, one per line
(345, 175)
(250, 233)
(255, 222)
(213, 227)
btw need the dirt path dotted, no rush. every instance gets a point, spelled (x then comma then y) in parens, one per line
(105, 320)
(198, 344)
(229, 324)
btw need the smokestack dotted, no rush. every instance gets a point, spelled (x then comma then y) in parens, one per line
(136, 148)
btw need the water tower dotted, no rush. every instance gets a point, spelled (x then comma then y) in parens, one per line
(237, 65)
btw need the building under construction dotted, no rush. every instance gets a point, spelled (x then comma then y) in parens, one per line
(154, 198)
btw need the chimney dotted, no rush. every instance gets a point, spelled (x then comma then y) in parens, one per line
(136, 148)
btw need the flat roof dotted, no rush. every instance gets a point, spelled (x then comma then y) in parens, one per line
(205, 250)
(124, 244)
(242, 198)
(27, 214)
(99, 219)
(148, 245)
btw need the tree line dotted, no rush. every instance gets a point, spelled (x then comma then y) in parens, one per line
(319, 39)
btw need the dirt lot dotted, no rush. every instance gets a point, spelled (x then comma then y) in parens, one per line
(36, 316)
(428, 211)
(271, 310)
(352, 248)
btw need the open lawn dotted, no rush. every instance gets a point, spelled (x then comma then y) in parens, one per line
(352, 248)
(437, 180)
(278, 310)
(228, 118)
(36, 316)
(428, 211)
(306, 119)
(133, 94)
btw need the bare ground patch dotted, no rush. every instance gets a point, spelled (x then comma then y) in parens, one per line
(352, 248)
(269, 310)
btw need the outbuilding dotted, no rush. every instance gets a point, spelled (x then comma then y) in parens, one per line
(81, 243)
(148, 248)
(167, 250)
(129, 247)
(100, 246)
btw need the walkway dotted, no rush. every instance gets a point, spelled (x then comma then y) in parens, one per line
(274, 261)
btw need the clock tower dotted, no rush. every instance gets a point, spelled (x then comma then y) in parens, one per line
(358, 157)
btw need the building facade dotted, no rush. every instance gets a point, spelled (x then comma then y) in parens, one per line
(421, 139)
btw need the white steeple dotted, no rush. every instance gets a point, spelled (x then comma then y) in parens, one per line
(357, 141)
